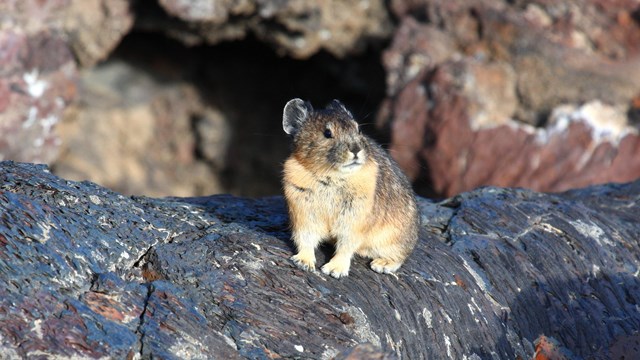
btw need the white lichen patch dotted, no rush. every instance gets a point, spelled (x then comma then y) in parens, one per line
(476, 311)
(329, 353)
(550, 229)
(37, 328)
(473, 356)
(397, 315)
(104, 222)
(592, 231)
(254, 264)
(596, 270)
(606, 123)
(46, 232)
(230, 342)
(71, 199)
(473, 312)
(187, 347)
(95, 200)
(9, 352)
(32, 117)
(446, 316)
(299, 348)
(227, 259)
(35, 86)
(482, 284)
(428, 317)
(361, 326)
(395, 346)
(479, 280)
(447, 343)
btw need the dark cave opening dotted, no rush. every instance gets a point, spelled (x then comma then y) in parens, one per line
(250, 83)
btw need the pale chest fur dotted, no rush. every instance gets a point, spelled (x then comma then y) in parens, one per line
(331, 200)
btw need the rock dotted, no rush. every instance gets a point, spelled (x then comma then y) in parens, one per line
(90, 28)
(581, 145)
(296, 28)
(86, 272)
(36, 84)
(470, 83)
(95, 27)
(40, 42)
(138, 133)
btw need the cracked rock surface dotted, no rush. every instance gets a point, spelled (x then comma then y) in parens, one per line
(87, 272)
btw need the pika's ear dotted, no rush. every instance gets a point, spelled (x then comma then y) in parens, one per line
(338, 106)
(295, 113)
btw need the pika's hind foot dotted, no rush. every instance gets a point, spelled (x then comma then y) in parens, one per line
(385, 266)
(304, 261)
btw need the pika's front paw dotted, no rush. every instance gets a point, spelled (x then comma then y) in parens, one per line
(337, 269)
(385, 266)
(307, 263)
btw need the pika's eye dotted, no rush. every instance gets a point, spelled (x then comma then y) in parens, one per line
(328, 134)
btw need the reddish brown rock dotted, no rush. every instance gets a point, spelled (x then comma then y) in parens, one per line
(90, 28)
(468, 81)
(36, 84)
(580, 146)
(40, 45)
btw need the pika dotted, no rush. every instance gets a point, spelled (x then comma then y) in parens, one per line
(341, 186)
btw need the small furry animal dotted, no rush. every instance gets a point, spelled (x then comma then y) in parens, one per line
(341, 186)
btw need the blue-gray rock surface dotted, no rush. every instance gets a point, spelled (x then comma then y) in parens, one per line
(86, 272)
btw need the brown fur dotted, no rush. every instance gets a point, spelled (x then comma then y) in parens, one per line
(368, 209)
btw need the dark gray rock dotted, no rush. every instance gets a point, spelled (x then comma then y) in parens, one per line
(87, 272)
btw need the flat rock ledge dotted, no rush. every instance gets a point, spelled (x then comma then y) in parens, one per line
(497, 274)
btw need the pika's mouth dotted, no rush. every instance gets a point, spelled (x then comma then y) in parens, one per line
(351, 166)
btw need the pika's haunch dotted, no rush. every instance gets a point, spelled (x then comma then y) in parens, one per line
(342, 187)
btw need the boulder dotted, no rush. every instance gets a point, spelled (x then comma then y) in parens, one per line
(296, 28)
(87, 272)
(142, 133)
(41, 44)
(471, 85)
(36, 85)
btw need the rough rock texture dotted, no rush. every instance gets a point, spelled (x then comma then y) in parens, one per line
(464, 79)
(137, 133)
(88, 272)
(40, 43)
(298, 28)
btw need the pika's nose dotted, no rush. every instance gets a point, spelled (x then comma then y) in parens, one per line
(356, 150)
